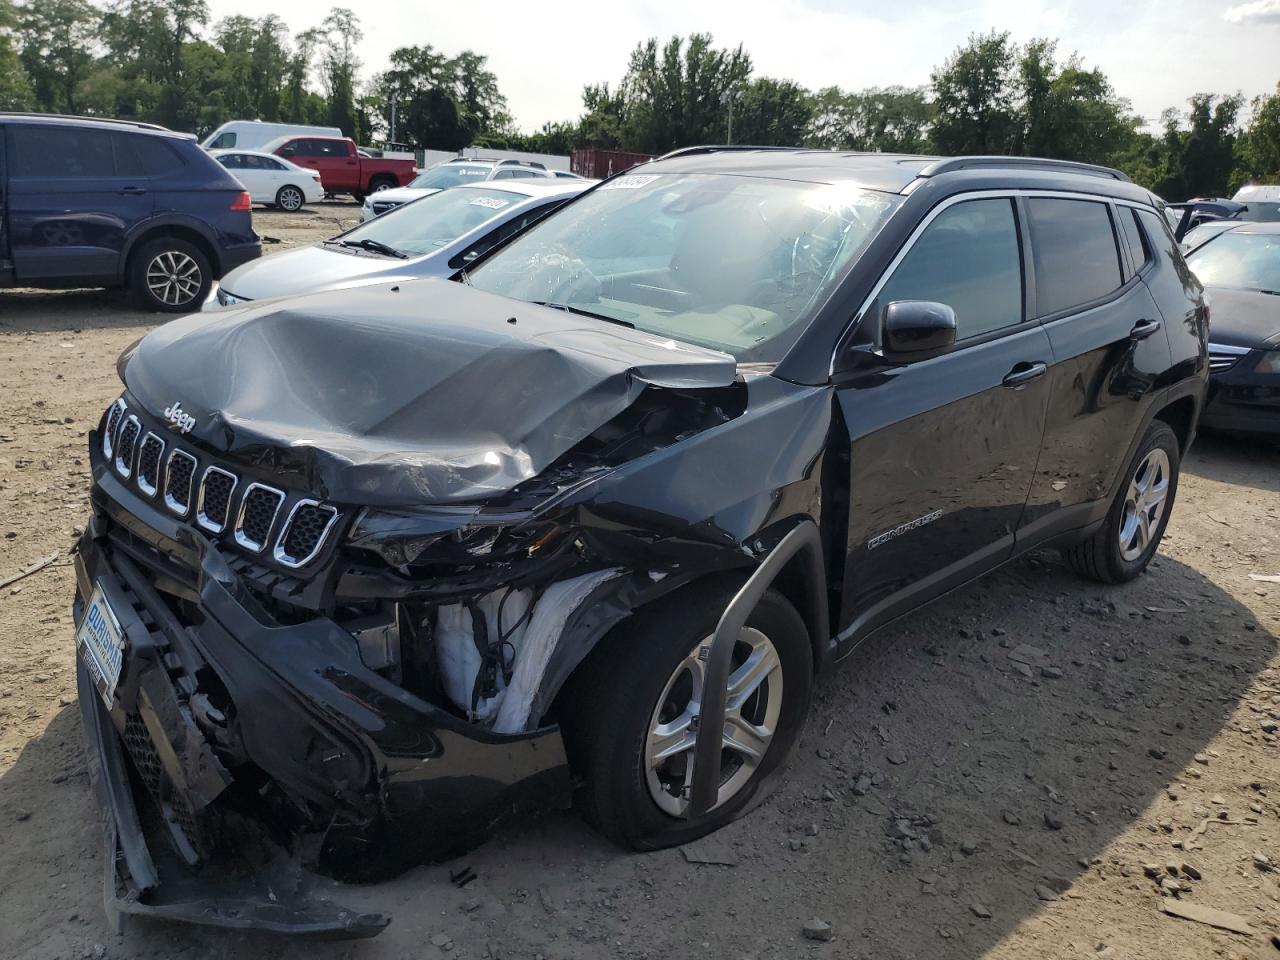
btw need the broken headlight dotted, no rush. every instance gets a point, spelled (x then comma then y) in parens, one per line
(458, 537)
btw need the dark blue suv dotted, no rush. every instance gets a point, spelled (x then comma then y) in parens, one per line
(105, 203)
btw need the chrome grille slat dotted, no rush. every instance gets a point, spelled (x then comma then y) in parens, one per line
(1224, 356)
(114, 415)
(149, 464)
(125, 446)
(258, 509)
(214, 505)
(180, 473)
(305, 531)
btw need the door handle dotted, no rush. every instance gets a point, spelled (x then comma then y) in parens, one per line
(132, 191)
(1024, 372)
(1143, 329)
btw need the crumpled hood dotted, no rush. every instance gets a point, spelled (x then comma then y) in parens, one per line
(411, 393)
(309, 270)
(1243, 318)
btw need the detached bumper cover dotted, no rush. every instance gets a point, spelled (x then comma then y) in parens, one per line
(376, 778)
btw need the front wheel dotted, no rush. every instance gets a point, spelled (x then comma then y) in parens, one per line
(1131, 533)
(290, 199)
(170, 275)
(633, 707)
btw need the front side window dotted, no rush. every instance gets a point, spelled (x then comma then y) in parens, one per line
(426, 225)
(60, 152)
(224, 141)
(970, 259)
(450, 175)
(232, 161)
(1246, 261)
(736, 263)
(1076, 258)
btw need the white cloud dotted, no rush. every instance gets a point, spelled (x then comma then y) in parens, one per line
(1257, 11)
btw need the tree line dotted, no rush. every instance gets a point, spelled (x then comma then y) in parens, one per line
(167, 62)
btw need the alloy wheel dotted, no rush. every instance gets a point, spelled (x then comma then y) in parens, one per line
(752, 707)
(290, 199)
(173, 278)
(1144, 504)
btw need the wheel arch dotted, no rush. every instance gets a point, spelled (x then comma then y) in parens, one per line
(178, 229)
(1181, 414)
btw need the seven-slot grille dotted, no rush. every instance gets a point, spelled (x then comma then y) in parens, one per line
(212, 495)
(1223, 356)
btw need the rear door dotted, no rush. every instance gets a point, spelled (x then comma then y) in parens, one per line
(1109, 348)
(942, 451)
(70, 208)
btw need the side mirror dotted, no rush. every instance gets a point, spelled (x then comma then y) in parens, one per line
(917, 330)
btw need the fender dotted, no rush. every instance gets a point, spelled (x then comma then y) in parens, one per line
(140, 231)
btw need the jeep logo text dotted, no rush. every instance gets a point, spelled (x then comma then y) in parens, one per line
(179, 419)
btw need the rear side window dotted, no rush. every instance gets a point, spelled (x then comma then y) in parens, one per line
(60, 152)
(1076, 258)
(968, 258)
(1138, 251)
(138, 155)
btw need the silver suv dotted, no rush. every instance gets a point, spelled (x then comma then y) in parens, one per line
(451, 173)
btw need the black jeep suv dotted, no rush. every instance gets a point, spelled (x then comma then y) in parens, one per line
(106, 203)
(369, 570)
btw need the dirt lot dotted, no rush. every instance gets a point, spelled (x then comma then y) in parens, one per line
(986, 779)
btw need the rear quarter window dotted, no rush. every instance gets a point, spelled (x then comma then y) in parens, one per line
(139, 155)
(60, 152)
(1076, 257)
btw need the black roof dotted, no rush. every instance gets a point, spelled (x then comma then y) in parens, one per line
(891, 172)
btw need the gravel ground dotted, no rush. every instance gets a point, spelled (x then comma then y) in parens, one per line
(991, 777)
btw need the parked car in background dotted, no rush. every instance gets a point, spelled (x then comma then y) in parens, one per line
(272, 180)
(396, 563)
(102, 203)
(453, 172)
(435, 236)
(1240, 268)
(252, 134)
(376, 204)
(342, 167)
(1253, 192)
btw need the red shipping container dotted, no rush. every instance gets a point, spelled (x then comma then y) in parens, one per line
(598, 164)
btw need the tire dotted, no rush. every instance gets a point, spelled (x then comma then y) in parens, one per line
(157, 261)
(290, 199)
(613, 701)
(1125, 544)
(358, 197)
(378, 184)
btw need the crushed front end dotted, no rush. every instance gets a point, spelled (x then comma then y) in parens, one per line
(257, 710)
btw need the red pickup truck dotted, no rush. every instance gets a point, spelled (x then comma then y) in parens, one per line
(342, 168)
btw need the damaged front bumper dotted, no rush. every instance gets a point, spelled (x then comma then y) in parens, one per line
(237, 758)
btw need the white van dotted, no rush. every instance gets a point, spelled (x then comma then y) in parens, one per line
(1257, 192)
(251, 134)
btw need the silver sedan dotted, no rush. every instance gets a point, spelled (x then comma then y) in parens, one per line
(435, 236)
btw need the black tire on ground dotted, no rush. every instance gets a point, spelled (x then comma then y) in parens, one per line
(612, 698)
(289, 198)
(378, 184)
(169, 275)
(1100, 557)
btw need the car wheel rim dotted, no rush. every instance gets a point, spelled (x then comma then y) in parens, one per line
(1144, 504)
(290, 199)
(173, 278)
(753, 703)
(378, 188)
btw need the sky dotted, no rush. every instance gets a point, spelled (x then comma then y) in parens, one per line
(1157, 53)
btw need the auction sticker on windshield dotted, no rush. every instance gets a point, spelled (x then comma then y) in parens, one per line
(101, 644)
(493, 203)
(633, 182)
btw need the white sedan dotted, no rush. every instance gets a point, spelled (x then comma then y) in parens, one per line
(272, 180)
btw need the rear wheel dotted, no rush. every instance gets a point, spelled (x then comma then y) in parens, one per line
(632, 712)
(289, 198)
(378, 184)
(1131, 533)
(170, 275)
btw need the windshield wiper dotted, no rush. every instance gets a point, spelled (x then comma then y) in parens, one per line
(375, 246)
(584, 313)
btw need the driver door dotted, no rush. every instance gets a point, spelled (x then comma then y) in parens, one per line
(943, 451)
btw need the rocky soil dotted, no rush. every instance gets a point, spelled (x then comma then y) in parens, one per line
(1036, 767)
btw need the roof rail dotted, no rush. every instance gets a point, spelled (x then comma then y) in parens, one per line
(949, 164)
(72, 116)
(721, 148)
